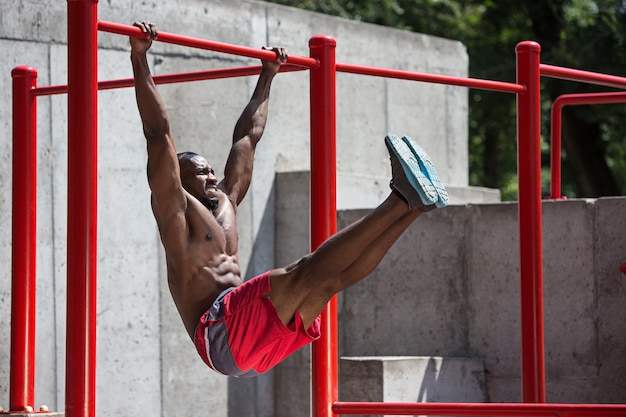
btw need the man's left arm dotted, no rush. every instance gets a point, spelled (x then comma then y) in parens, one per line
(248, 131)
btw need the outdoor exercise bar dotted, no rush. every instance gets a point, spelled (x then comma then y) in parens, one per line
(82, 90)
(172, 78)
(582, 76)
(324, 122)
(556, 126)
(529, 196)
(481, 409)
(431, 78)
(82, 195)
(172, 38)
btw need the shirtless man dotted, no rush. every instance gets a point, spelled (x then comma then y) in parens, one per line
(244, 329)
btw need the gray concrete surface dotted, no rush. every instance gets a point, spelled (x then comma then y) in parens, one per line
(412, 379)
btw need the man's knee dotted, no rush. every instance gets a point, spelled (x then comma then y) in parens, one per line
(306, 277)
(299, 264)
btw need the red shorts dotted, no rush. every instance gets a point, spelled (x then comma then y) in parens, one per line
(241, 334)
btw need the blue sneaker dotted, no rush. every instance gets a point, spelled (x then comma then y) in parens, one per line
(407, 176)
(429, 170)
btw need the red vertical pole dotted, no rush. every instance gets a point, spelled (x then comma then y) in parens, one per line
(555, 150)
(24, 239)
(324, 214)
(529, 195)
(82, 46)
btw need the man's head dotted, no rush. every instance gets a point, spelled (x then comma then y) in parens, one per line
(198, 178)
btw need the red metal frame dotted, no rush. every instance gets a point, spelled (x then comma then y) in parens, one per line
(82, 208)
(172, 38)
(324, 214)
(484, 409)
(582, 76)
(24, 235)
(530, 232)
(82, 216)
(431, 78)
(172, 78)
(556, 125)
(82, 91)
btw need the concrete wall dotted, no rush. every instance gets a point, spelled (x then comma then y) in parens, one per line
(455, 274)
(145, 360)
(449, 288)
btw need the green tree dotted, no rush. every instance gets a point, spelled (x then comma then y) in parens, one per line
(581, 34)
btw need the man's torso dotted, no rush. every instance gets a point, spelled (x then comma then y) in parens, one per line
(206, 264)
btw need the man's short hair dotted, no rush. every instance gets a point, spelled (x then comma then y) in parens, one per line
(185, 156)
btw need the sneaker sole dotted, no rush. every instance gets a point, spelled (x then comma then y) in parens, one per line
(429, 170)
(410, 165)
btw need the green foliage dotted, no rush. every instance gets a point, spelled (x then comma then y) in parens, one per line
(581, 34)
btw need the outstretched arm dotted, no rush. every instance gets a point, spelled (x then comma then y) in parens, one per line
(168, 196)
(248, 132)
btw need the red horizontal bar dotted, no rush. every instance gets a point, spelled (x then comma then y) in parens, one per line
(589, 98)
(50, 90)
(583, 76)
(432, 78)
(481, 409)
(171, 78)
(172, 38)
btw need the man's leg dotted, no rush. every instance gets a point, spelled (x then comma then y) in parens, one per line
(341, 261)
(354, 252)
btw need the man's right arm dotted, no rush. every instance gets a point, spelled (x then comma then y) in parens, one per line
(168, 196)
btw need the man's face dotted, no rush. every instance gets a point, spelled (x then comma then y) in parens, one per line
(199, 179)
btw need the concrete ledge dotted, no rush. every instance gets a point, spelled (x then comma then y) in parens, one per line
(412, 378)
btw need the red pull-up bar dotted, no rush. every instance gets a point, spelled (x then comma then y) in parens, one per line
(583, 76)
(432, 78)
(205, 44)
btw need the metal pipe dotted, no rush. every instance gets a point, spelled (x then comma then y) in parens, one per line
(24, 239)
(431, 78)
(172, 78)
(324, 356)
(582, 76)
(530, 234)
(481, 409)
(82, 207)
(556, 129)
(205, 44)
